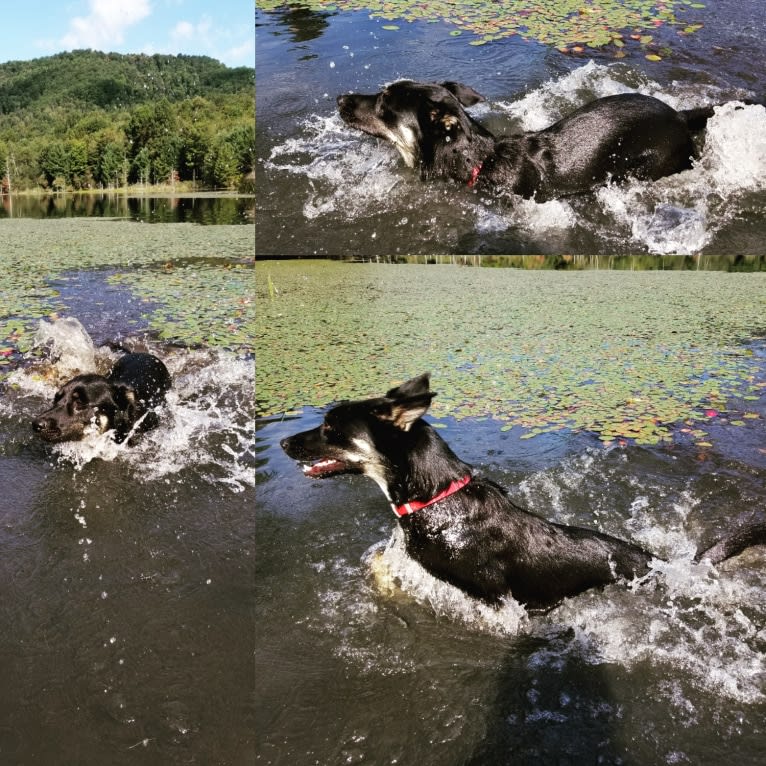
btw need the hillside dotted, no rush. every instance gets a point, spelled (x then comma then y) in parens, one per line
(87, 119)
(108, 80)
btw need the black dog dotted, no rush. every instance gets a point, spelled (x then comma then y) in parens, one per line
(612, 138)
(461, 528)
(122, 401)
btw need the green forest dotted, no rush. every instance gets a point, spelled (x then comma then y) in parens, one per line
(89, 120)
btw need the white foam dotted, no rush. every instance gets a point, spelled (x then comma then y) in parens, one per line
(394, 570)
(734, 158)
(350, 173)
(206, 422)
(682, 213)
(685, 616)
(552, 100)
(555, 99)
(66, 342)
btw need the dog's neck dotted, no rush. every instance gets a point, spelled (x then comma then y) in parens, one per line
(413, 506)
(421, 468)
(464, 163)
(481, 148)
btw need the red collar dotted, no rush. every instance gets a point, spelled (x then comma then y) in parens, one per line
(416, 505)
(474, 175)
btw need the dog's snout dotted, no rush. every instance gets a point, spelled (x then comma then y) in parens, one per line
(343, 101)
(43, 425)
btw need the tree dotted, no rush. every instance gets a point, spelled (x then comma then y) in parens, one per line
(54, 163)
(242, 140)
(110, 158)
(194, 147)
(142, 167)
(86, 118)
(79, 171)
(221, 165)
(165, 156)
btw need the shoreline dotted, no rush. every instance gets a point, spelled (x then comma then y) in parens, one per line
(130, 191)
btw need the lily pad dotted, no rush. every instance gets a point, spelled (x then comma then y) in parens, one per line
(558, 23)
(618, 354)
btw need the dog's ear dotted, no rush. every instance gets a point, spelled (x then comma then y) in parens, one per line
(125, 399)
(404, 404)
(463, 93)
(127, 410)
(413, 387)
(448, 123)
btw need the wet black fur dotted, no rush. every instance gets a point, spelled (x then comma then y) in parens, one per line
(136, 384)
(612, 138)
(503, 549)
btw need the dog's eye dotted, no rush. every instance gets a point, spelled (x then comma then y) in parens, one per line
(79, 401)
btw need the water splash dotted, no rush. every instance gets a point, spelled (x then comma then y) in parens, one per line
(706, 622)
(206, 422)
(394, 570)
(349, 174)
(67, 345)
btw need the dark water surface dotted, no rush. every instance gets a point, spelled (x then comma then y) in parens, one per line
(126, 574)
(126, 577)
(324, 189)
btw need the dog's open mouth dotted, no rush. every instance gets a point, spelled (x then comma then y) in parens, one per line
(325, 468)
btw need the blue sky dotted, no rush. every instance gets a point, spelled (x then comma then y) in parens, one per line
(223, 29)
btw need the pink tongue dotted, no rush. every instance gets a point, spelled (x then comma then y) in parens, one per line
(324, 466)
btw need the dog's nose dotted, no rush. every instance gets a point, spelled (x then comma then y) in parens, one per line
(41, 424)
(341, 101)
(45, 425)
(285, 443)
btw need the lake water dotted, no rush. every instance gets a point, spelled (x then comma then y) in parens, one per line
(189, 208)
(361, 657)
(126, 573)
(327, 190)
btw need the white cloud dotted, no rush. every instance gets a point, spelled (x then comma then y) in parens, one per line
(230, 45)
(183, 31)
(240, 55)
(105, 23)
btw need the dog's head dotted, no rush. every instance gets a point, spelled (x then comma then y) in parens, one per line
(86, 403)
(418, 118)
(365, 436)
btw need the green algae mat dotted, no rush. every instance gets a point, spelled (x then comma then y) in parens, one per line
(196, 281)
(625, 355)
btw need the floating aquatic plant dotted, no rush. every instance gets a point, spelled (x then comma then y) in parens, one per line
(621, 354)
(202, 304)
(199, 276)
(565, 24)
